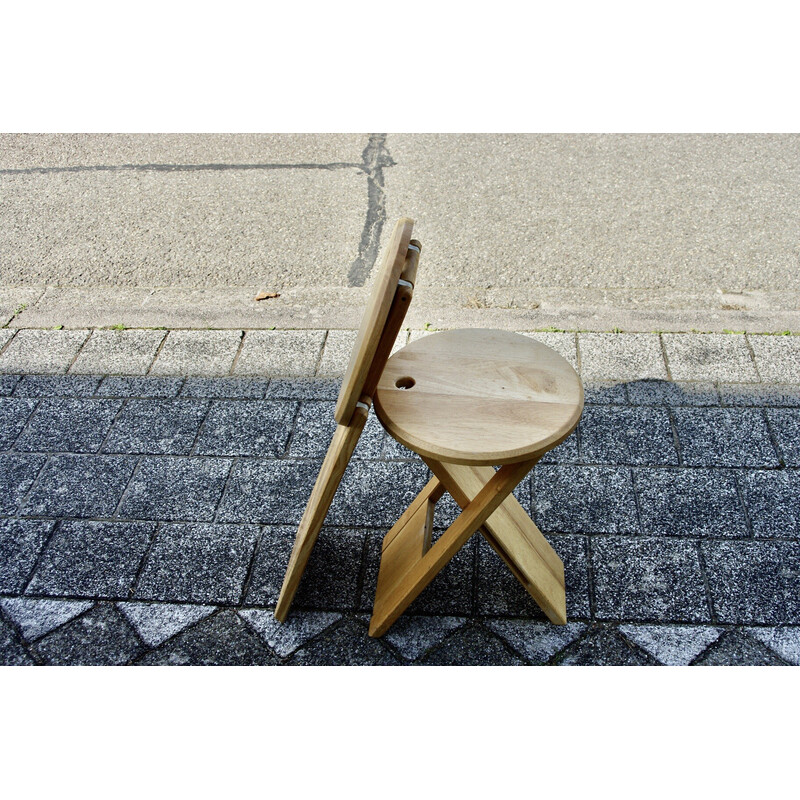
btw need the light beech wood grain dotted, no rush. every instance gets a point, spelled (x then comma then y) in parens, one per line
(374, 320)
(479, 397)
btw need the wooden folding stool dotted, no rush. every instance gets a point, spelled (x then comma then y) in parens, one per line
(465, 401)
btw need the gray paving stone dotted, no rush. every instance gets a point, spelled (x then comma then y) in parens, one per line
(68, 425)
(737, 649)
(604, 647)
(12, 648)
(115, 386)
(157, 622)
(42, 351)
(709, 357)
(772, 498)
(584, 499)
(783, 641)
(157, 427)
(222, 639)
(672, 645)
(21, 541)
(246, 428)
(450, 592)
(754, 583)
(336, 353)
(57, 386)
(284, 638)
(172, 488)
(617, 435)
(17, 474)
(563, 343)
(537, 641)
(610, 356)
(375, 493)
(777, 358)
(267, 491)
(128, 352)
(472, 646)
(200, 353)
(412, 636)
(79, 486)
(14, 415)
(6, 335)
(269, 565)
(37, 616)
(100, 637)
(291, 354)
(198, 563)
(501, 594)
(759, 394)
(239, 388)
(346, 644)
(648, 579)
(689, 502)
(303, 389)
(91, 559)
(315, 427)
(331, 578)
(786, 426)
(669, 393)
(604, 393)
(724, 437)
(565, 453)
(8, 383)
(393, 450)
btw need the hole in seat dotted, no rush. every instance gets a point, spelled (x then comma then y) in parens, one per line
(404, 383)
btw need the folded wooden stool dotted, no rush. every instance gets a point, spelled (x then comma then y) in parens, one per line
(465, 401)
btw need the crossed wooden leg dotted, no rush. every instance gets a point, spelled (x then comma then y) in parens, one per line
(409, 562)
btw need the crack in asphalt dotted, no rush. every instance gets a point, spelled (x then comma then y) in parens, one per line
(375, 157)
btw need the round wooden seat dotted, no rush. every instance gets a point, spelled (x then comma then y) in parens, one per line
(479, 397)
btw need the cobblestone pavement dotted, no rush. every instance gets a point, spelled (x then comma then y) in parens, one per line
(148, 519)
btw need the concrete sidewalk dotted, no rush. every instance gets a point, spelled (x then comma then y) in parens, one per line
(586, 232)
(152, 483)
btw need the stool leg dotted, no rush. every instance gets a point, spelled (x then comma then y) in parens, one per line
(392, 602)
(514, 537)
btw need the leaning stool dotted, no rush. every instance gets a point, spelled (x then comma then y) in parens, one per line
(465, 401)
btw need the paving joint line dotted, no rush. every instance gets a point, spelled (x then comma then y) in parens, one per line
(235, 361)
(140, 569)
(122, 406)
(156, 167)
(774, 439)
(753, 358)
(590, 587)
(40, 557)
(318, 362)
(86, 338)
(251, 566)
(118, 507)
(148, 371)
(11, 339)
(37, 402)
(743, 506)
(704, 575)
(209, 403)
(664, 357)
(232, 464)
